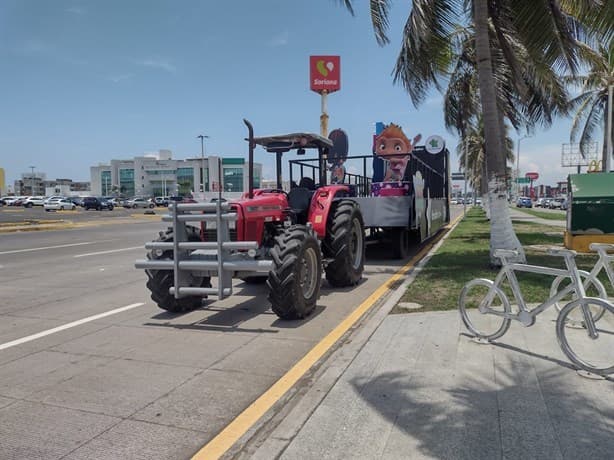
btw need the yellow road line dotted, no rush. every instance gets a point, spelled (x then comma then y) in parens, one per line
(245, 420)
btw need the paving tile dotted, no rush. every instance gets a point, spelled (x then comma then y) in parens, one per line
(207, 402)
(117, 388)
(135, 440)
(33, 431)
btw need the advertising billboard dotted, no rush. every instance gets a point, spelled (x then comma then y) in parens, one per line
(324, 73)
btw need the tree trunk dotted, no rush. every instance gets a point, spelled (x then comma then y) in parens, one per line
(502, 234)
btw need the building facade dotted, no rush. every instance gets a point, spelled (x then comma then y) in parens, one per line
(159, 174)
(37, 185)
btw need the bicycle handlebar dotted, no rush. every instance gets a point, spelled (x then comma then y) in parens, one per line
(502, 253)
(601, 246)
(562, 252)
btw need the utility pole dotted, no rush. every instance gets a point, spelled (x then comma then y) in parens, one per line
(202, 158)
(32, 180)
(608, 159)
(518, 165)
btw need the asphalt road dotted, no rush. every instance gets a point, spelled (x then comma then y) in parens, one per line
(91, 368)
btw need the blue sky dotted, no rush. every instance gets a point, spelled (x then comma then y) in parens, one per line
(84, 82)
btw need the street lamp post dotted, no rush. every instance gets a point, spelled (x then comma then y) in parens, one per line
(518, 165)
(202, 158)
(32, 180)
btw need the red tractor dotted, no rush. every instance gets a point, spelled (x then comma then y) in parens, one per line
(287, 238)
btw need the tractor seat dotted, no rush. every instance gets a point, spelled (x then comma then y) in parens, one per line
(299, 199)
(307, 182)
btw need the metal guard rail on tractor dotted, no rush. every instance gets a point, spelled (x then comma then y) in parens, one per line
(224, 262)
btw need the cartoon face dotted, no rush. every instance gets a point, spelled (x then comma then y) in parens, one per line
(394, 147)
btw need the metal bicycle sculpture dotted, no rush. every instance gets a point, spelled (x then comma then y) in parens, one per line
(591, 282)
(584, 331)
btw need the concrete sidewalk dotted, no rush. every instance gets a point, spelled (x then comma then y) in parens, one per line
(416, 386)
(419, 388)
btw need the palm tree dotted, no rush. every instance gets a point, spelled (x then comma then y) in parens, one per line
(592, 103)
(473, 149)
(541, 29)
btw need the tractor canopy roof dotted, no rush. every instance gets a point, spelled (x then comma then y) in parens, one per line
(286, 142)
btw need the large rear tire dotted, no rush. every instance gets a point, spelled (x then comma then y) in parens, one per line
(160, 281)
(295, 279)
(345, 243)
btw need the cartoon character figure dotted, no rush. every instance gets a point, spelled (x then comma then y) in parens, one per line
(394, 147)
(337, 155)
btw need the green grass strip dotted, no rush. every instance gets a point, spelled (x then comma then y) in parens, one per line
(464, 255)
(543, 214)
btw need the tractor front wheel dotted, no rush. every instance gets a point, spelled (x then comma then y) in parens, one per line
(160, 281)
(345, 243)
(295, 279)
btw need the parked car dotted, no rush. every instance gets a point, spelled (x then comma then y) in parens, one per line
(60, 204)
(115, 201)
(556, 203)
(524, 202)
(139, 203)
(34, 201)
(162, 200)
(53, 197)
(565, 204)
(542, 202)
(97, 203)
(15, 200)
(77, 200)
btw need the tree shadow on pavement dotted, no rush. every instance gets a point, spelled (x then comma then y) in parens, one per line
(504, 415)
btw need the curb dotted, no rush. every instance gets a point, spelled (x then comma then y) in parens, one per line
(273, 434)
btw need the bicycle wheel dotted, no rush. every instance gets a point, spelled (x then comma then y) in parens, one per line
(592, 287)
(480, 304)
(593, 354)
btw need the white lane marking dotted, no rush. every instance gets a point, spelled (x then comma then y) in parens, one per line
(109, 251)
(67, 326)
(48, 247)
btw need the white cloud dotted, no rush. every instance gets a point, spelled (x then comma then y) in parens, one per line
(279, 40)
(118, 78)
(545, 160)
(157, 63)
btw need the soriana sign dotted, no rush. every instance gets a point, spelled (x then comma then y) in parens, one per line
(532, 175)
(324, 73)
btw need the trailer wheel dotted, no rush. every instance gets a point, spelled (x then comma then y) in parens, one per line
(400, 239)
(295, 279)
(160, 281)
(345, 243)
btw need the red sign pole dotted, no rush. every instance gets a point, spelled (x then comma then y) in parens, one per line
(324, 78)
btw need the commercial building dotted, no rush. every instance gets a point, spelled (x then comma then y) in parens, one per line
(158, 174)
(36, 184)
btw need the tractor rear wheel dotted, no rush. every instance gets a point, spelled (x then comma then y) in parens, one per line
(160, 281)
(295, 279)
(345, 243)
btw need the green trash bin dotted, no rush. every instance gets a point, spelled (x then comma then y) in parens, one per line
(590, 212)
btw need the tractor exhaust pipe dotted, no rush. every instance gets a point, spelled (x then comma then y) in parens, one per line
(250, 173)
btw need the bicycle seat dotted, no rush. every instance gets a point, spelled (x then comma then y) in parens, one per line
(561, 252)
(501, 253)
(603, 246)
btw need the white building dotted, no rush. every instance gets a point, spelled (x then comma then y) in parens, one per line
(157, 174)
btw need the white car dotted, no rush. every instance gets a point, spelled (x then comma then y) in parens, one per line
(59, 204)
(138, 203)
(34, 201)
(53, 198)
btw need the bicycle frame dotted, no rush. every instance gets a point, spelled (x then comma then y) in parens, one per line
(525, 315)
(604, 262)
